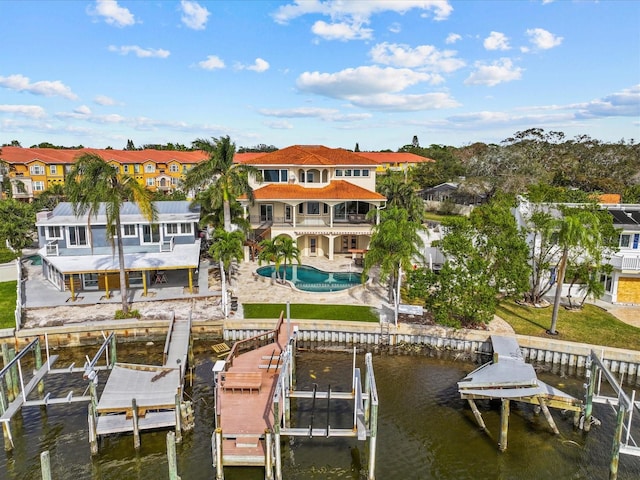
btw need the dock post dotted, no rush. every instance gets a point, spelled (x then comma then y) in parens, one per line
(547, 415)
(38, 361)
(218, 459)
(8, 439)
(617, 438)
(171, 456)
(278, 453)
(178, 420)
(373, 428)
(268, 455)
(476, 413)
(14, 374)
(504, 425)
(93, 436)
(136, 430)
(591, 384)
(45, 465)
(6, 358)
(113, 352)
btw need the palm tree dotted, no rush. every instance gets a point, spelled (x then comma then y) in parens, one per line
(227, 247)
(287, 250)
(577, 230)
(212, 212)
(51, 197)
(219, 171)
(395, 244)
(91, 184)
(400, 193)
(270, 252)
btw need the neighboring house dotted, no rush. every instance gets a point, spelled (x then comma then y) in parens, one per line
(321, 197)
(77, 249)
(450, 192)
(40, 168)
(622, 286)
(395, 161)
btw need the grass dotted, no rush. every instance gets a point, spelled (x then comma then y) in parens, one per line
(7, 304)
(311, 311)
(437, 217)
(590, 325)
(6, 255)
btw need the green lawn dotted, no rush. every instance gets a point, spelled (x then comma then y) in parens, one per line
(590, 325)
(311, 311)
(6, 255)
(7, 304)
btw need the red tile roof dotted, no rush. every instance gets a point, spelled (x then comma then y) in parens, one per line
(307, 155)
(394, 157)
(336, 190)
(610, 198)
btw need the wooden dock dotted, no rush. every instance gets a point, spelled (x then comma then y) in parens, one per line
(144, 397)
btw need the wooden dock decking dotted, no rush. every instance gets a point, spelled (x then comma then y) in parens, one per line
(156, 390)
(246, 413)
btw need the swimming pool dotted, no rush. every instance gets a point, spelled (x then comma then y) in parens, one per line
(310, 279)
(34, 259)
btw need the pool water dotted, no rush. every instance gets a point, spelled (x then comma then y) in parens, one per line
(310, 279)
(35, 259)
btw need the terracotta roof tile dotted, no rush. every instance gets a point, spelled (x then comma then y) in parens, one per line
(308, 155)
(336, 190)
(610, 198)
(394, 157)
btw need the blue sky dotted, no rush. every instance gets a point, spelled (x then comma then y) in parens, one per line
(328, 72)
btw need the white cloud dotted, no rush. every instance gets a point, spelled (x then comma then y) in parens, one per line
(31, 111)
(104, 100)
(405, 103)
(259, 66)
(20, 83)
(542, 39)
(426, 57)
(620, 104)
(359, 10)
(140, 52)
(278, 125)
(326, 114)
(452, 38)
(82, 110)
(496, 41)
(498, 72)
(360, 81)
(395, 27)
(211, 63)
(341, 31)
(194, 15)
(113, 13)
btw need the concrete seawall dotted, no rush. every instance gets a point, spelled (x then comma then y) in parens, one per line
(569, 357)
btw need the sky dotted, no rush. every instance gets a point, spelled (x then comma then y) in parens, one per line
(334, 73)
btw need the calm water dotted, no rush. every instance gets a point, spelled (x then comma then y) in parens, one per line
(311, 279)
(425, 432)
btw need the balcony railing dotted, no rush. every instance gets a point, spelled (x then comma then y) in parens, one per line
(626, 262)
(52, 249)
(309, 221)
(167, 245)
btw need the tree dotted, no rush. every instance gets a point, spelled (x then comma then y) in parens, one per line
(16, 227)
(414, 142)
(212, 211)
(357, 149)
(130, 145)
(269, 252)
(288, 250)
(466, 291)
(51, 197)
(582, 233)
(227, 247)
(280, 250)
(219, 172)
(395, 243)
(401, 194)
(94, 186)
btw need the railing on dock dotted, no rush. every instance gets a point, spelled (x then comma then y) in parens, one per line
(255, 341)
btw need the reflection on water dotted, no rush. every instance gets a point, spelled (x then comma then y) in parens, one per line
(425, 431)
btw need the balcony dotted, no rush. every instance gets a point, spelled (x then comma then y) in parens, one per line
(52, 249)
(626, 262)
(309, 221)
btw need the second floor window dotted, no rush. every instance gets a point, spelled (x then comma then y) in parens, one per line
(78, 236)
(38, 186)
(149, 168)
(136, 168)
(125, 168)
(150, 182)
(174, 168)
(53, 169)
(273, 175)
(53, 233)
(37, 170)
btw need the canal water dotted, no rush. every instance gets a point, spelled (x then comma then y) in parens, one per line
(425, 430)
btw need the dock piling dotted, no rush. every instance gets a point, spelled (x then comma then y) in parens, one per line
(504, 425)
(136, 429)
(45, 465)
(547, 415)
(268, 455)
(178, 419)
(218, 459)
(93, 437)
(171, 456)
(476, 413)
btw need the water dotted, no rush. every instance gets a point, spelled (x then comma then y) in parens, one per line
(425, 432)
(34, 259)
(310, 279)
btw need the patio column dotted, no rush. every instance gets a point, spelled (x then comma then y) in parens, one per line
(331, 238)
(295, 209)
(106, 285)
(72, 286)
(144, 284)
(331, 219)
(190, 280)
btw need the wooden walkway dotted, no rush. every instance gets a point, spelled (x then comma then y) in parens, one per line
(156, 390)
(245, 414)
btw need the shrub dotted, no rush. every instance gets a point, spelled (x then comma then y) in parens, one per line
(120, 315)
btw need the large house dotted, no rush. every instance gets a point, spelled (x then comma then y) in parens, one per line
(77, 255)
(622, 286)
(323, 198)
